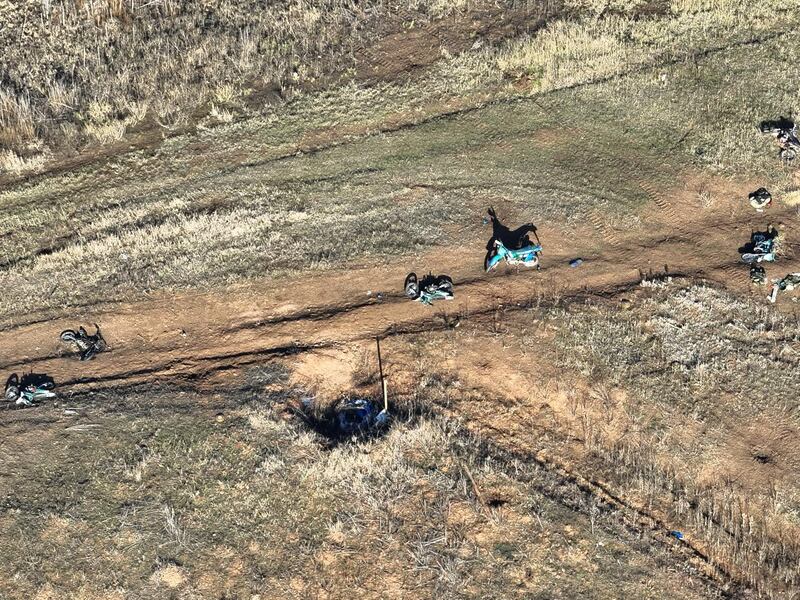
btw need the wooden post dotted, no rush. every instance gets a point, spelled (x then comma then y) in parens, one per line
(383, 381)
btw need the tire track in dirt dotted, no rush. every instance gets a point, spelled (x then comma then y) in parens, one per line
(657, 197)
(236, 343)
(192, 366)
(598, 221)
(341, 321)
(738, 273)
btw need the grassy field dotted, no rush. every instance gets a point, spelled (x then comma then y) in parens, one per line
(158, 497)
(712, 391)
(90, 70)
(80, 74)
(333, 177)
(684, 403)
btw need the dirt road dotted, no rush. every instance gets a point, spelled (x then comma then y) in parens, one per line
(194, 335)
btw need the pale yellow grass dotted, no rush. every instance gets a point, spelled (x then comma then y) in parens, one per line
(791, 198)
(567, 53)
(100, 66)
(598, 7)
(14, 163)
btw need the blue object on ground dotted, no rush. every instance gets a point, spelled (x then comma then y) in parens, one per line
(355, 414)
(676, 534)
(576, 262)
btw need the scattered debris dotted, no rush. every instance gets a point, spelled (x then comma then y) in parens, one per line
(758, 275)
(788, 283)
(576, 262)
(430, 288)
(350, 416)
(354, 415)
(84, 427)
(382, 416)
(760, 199)
(676, 534)
(762, 458)
(87, 345)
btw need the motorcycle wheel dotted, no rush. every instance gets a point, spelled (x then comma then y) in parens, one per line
(444, 280)
(750, 258)
(412, 286)
(68, 335)
(534, 262)
(491, 261)
(788, 154)
(89, 353)
(12, 393)
(445, 284)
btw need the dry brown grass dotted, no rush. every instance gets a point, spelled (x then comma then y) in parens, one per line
(706, 389)
(99, 68)
(94, 71)
(684, 405)
(259, 505)
(90, 71)
(567, 53)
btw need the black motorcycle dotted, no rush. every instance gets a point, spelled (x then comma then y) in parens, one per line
(785, 133)
(88, 345)
(429, 289)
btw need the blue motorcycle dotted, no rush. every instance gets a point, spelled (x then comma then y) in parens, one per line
(761, 248)
(356, 415)
(29, 391)
(528, 256)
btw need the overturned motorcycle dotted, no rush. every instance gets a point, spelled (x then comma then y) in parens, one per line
(760, 199)
(527, 256)
(429, 289)
(87, 345)
(785, 133)
(30, 390)
(761, 247)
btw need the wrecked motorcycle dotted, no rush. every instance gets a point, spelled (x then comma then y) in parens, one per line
(29, 391)
(761, 248)
(527, 256)
(429, 289)
(88, 345)
(785, 134)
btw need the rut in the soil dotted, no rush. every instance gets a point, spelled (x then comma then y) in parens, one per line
(196, 368)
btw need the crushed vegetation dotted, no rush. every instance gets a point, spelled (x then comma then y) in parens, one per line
(178, 493)
(684, 404)
(697, 359)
